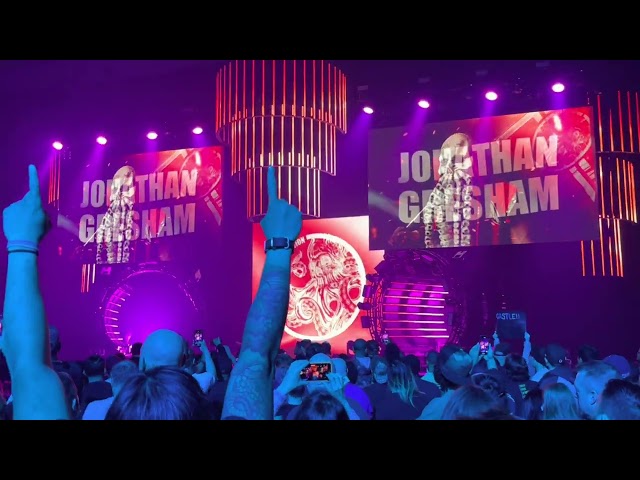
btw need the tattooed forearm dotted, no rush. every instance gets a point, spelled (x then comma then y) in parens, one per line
(266, 319)
(250, 391)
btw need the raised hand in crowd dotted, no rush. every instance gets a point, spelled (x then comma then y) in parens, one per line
(37, 391)
(290, 382)
(250, 390)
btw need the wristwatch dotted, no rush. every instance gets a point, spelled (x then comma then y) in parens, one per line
(278, 244)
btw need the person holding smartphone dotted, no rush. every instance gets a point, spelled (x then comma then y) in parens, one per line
(207, 378)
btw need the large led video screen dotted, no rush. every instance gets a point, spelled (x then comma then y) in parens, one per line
(510, 179)
(329, 264)
(143, 208)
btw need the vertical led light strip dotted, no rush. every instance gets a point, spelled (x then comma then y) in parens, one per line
(55, 174)
(282, 113)
(618, 146)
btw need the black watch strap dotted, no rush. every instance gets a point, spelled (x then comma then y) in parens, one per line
(278, 244)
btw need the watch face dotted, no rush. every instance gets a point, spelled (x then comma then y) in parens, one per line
(277, 244)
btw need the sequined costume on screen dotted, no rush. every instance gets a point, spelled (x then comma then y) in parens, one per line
(116, 228)
(449, 204)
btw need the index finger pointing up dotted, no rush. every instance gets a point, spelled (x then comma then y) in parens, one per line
(34, 181)
(272, 185)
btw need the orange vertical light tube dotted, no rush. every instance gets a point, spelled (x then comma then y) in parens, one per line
(313, 114)
(616, 223)
(304, 88)
(610, 257)
(245, 145)
(284, 102)
(620, 212)
(638, 116)
(224, 94)
(611, 192)
(339, 100)
(632, 186)
(57, 202)
(602, 211)
(54, 167)
(584, 267)
(253, 110)
(612, 147)
(262, 119)
(321, 112)
(299, 179)
(633, 194)
(235, 109)
(630, 191)
(625, 184)
(314, 88)
(338, 85)
(304, 111)
(273, 113)
(294, 112)
(630, 122)
(620, 121)
(253, 88)
(217, 102)
(602, 247)
(50, 185)
(307, 170)
(329, 94)
(601, 133)
(620, 250)
(230, 94)
(593, 258)
(321, 115)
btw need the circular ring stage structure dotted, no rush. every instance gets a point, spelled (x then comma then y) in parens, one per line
(414, 301)
(145, 299)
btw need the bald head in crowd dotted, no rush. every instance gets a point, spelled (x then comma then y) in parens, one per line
(163, 348)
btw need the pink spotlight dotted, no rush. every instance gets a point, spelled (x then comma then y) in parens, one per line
(424, 104)
(491, 96)
(558, 87)
(152, 135)
(101, 140)
(197, 131)
(367, 110)
(57, 145)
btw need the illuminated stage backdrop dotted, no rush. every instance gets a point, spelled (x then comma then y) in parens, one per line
(328, 270)
(512, 179)
(284, 113)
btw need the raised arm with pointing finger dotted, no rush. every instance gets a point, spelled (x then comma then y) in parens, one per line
(250, 390)
(37, 391)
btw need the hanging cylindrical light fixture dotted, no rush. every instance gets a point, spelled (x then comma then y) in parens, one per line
(286, 114)
(618, 150)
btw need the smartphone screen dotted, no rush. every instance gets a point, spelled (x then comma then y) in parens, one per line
(315, 372)
(484, 345)
(197, 337)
